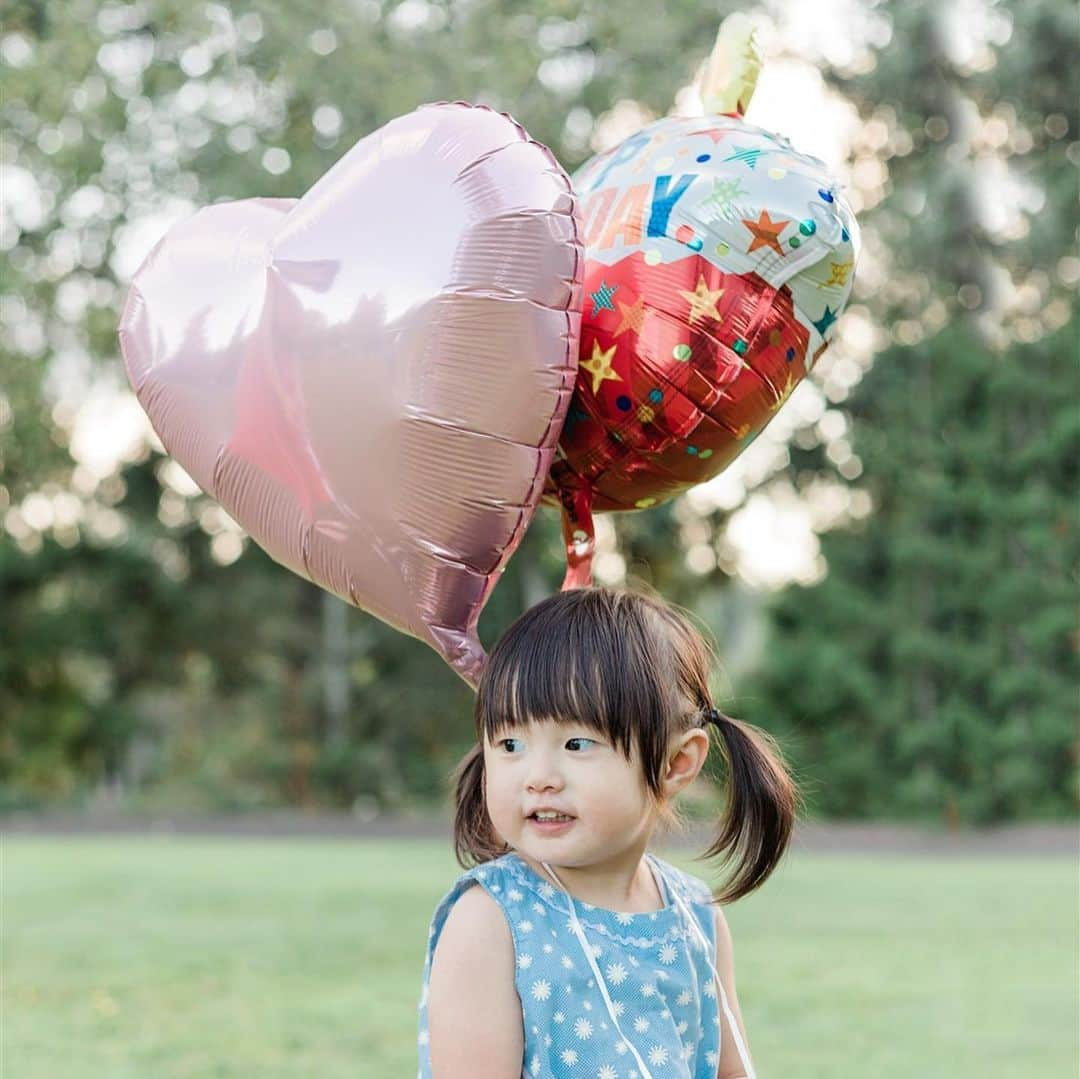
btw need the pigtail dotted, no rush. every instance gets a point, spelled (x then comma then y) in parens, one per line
(475, 840)
(761, 806)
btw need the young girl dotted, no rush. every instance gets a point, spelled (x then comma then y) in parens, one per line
(580, 954)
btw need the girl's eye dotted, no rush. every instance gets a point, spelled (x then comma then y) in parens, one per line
(591, 741)
(503, 741)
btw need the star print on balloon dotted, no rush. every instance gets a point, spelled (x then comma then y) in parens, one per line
(632, 315)
(785, 392)
(839, 272)
(717, 260)
(748, 155)
(766, 232)
(601, 298)
(724, 193)
(826, 320)
(599, 366)
(712, 133)
(703, 301)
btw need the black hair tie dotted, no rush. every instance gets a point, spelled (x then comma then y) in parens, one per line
(713, 716)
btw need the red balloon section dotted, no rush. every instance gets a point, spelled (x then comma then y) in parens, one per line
(658, 409)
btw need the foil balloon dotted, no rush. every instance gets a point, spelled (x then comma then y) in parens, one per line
(371, 379)
(717, 261)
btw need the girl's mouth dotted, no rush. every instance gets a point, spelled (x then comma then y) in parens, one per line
(551, 827)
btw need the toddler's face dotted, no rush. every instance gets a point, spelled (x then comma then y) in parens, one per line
(574, 770)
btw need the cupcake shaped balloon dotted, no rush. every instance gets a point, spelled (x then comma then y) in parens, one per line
(717, 261)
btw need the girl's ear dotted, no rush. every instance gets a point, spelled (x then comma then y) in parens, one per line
(685, 758)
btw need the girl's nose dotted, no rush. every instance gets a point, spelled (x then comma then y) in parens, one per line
(544, 775)
(551, 784)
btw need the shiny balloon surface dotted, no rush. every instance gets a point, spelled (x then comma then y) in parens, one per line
(371, 379)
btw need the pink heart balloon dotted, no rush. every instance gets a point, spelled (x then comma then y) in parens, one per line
(372, 379)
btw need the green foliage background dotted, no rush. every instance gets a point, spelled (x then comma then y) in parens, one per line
(931, 673)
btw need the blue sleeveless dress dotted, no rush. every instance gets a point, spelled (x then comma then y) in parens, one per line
(654, 967)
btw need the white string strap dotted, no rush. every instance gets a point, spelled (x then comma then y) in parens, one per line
(602, 985)
(744, 1055)
(687, 915)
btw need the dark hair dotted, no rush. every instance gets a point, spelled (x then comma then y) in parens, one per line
(633, 668)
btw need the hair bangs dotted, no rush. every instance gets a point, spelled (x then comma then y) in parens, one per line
(579, 658)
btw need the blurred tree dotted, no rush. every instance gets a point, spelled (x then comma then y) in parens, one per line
(955, 696)
(933, 672)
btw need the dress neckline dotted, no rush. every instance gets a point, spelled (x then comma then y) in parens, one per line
(622, 917)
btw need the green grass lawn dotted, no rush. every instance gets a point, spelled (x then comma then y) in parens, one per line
(190, 957)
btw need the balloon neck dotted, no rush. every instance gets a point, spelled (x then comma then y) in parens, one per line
(579, 535)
